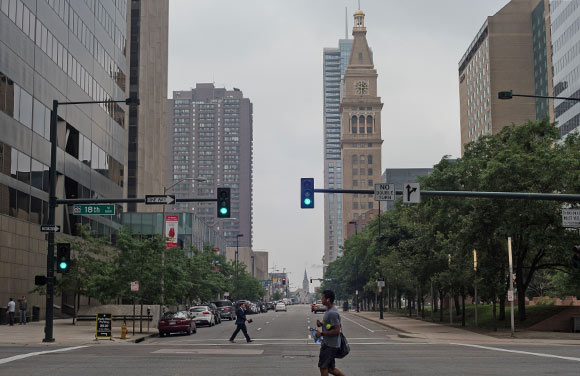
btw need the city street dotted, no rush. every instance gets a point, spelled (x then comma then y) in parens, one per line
(281, 347)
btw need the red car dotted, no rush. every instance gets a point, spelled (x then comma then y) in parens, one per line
(174, 322)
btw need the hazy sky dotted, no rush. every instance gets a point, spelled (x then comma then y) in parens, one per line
(272, 51)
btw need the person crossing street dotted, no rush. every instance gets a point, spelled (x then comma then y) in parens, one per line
(330, 334)
(241, 323)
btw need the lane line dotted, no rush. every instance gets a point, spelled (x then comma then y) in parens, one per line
(362, 326)
(518, 351)
(23, 356)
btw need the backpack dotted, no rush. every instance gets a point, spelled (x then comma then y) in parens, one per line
(344, 347)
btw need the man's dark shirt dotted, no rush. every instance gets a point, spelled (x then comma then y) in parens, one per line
(240, 316)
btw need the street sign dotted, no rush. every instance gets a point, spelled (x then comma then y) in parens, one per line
(411, 193)
(510, 295)
(571, 217)
(94, 209)
(49, 228)
(104, 321)
(159, 199)
(384, 192)
(226, 293)
(134, 286)
(380, 284)
(357, 292)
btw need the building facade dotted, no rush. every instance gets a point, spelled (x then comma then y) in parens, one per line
(510, 52)
(335, 61)
(67, 51)
(361, 142)
(210, 145)
(565, 33)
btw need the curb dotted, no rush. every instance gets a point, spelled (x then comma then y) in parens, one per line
(385, 324)
(141, 339)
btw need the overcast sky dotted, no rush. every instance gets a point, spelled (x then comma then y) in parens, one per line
(272, 51)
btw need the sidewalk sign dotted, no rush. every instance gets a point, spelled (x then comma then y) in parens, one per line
(104, 326)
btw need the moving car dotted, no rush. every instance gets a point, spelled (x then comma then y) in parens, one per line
(202, 315)
(280, 306)
(317, 306)
(176, 322)
(226, 309)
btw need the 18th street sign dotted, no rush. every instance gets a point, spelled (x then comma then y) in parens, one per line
(94, 209)
(384, 192)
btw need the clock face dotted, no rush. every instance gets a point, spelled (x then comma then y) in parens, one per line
(361, 87)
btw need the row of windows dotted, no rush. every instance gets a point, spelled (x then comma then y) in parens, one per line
(355, 171)
(570, 32)
(363, 205)
(361, 183)
(108, 23)
(362, 158)
(20, 166)
(18, 204)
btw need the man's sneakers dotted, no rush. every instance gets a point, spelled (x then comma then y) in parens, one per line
(250, 340)
(232, 341)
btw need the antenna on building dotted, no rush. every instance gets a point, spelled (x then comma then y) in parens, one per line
(358, 4)
(346, 22)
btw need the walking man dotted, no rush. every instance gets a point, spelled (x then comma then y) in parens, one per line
(23, 306)
(241, 324)
(330, 334)
(11, 308)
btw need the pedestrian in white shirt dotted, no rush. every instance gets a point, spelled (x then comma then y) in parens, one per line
(11, 308)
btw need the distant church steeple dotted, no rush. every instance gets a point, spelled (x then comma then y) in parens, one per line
(305, 282)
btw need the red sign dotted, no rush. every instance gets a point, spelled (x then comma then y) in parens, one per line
(171, 225)
(134, 286)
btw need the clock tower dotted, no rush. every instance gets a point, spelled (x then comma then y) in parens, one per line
(361, 142)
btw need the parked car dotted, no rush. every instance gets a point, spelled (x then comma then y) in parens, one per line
(280, 306)
(176, 322)
(226, 309)
(202, 315)
(270, 306)
(317, 306)
(214, 310)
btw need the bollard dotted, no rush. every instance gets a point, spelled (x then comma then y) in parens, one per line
(124, 331)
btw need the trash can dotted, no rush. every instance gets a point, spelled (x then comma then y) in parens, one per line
(35, 313)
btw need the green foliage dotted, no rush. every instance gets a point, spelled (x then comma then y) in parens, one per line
(430, 245)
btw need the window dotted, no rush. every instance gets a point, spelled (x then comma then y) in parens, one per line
(355, 183)
(355, 171)
(370, 159)
(362, 159)
(370, 171)
(370, 183)
(354, 159)
(355, 205)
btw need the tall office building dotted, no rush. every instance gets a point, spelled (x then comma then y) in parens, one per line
(361, 142)
(335, 61)
(565, 29)
(210, 144)
(148, 50)
(68, 51)
(511, 51)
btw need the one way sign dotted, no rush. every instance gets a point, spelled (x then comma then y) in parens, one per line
(411, 193)
(159, 199)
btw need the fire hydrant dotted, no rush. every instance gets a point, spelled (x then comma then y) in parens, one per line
(124, 331)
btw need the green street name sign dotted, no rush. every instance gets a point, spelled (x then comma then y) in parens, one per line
(94, 209)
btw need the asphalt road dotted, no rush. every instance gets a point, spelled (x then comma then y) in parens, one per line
(282, 347)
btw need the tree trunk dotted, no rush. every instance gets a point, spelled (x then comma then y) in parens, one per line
(494, 316)
(410, 304)
(456, 301)
(502, 307)
(521, 295)
(435, 304)
(441, 296)
(462, 306)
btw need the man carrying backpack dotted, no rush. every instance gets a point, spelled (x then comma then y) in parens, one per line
(330, 334)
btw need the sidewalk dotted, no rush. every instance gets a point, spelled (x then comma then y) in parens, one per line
(65, 334)
(414, 328)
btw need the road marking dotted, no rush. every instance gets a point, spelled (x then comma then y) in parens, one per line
(362, 326)
(518, 352)
(259, 329)
(210, 351)
(23, 356)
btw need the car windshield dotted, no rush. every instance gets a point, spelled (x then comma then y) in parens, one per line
(174, 315)
(199, 309)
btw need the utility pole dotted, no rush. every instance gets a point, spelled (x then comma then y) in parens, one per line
(511, 292)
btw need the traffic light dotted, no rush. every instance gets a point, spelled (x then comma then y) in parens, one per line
(310, 279)
(307, 193)
(284, 280)
(223, 203)
(576, 257)
(62, 257)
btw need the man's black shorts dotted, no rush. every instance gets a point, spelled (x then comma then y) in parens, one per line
(326, 357)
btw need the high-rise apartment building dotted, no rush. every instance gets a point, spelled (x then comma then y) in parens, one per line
(361, 142)
(565, 29)
(210, 144)
(147, 52)
(67, 51)
(335, 61)
(511, 51)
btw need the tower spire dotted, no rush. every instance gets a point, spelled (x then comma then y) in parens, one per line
(346, 22)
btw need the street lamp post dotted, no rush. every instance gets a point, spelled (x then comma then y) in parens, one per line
(238, 236)
(355, 223)
(50, 279)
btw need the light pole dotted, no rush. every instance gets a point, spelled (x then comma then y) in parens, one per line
(355, 223)
(165, 190)
(50, 279)
(238, 236)
(510, 95)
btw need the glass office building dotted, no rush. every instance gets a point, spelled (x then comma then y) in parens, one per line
(335, 61)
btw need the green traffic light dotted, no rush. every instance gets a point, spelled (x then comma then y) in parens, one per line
(307, 201)
(223, 211)
(63, 265)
